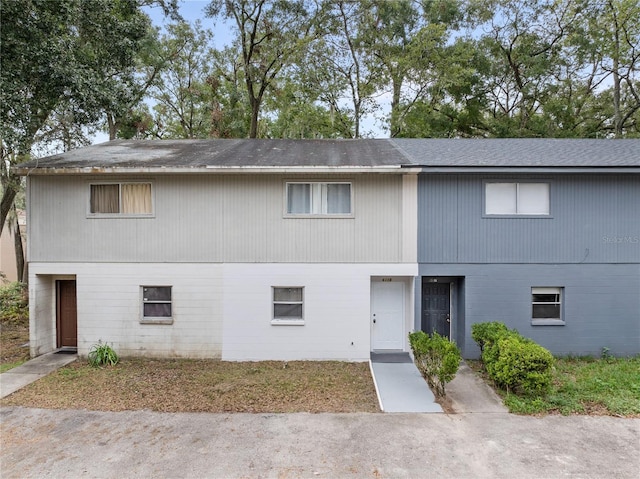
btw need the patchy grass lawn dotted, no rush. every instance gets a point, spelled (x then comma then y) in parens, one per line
(597, 387)
(13, 337)
(181, 385)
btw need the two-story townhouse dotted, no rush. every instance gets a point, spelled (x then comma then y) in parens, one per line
(236, 249)
(298, 249)
(541, 234)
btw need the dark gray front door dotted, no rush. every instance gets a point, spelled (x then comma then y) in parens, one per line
(436, 308)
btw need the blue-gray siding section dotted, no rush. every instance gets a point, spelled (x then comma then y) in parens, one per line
(589, 246)
(601, 304)
(594, 219)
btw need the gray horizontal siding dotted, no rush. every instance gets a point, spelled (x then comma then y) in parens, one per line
(216, 218)
(594, 219)
(601, 304)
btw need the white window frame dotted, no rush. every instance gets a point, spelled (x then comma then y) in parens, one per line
(518, 187)
(318, 199)
(549, 290)
(90, 214)
(283, 321)
(156, 319)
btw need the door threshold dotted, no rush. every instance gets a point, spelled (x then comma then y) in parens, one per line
(67, 350)
(390, 357)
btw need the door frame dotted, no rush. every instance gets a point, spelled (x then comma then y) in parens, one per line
(59, 328)
(454, 283)
(406, 308)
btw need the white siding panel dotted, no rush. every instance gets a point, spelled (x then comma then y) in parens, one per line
(215, 219)
(410, 218)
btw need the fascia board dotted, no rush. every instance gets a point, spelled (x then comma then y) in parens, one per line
(393, 169)
(524, 169)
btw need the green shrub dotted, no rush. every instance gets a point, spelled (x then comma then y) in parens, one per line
(436, 358)
(514, 362)
(521, 366)
(101, 354)
(487, 333)
(14, 302)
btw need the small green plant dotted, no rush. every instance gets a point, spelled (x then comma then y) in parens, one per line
(101, 354)
(437, 359)
(606, 354)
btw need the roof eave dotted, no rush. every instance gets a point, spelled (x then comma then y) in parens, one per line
(393, 169)
(529, 169)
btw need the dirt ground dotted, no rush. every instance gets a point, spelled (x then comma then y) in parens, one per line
(181, 385)
(14, 342)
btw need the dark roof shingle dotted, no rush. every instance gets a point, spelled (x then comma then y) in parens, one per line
(427, 153)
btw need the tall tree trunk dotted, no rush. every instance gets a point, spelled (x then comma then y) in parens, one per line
(617, 113)
(255, 110)
(113, 127)
(17, 241)
(395, 128)
(9, 194)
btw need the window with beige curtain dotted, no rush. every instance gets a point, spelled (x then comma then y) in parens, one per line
(136, 198)
(124, 198)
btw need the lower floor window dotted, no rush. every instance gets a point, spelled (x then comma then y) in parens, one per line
(546, 305)
(156, 303)
(287, 305)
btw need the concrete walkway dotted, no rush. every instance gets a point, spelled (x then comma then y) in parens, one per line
(32, 370)
(468, 393)
(400, 386)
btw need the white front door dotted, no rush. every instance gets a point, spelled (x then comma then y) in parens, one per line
(387, 315)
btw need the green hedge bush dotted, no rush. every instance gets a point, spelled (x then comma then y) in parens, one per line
(488, 333)
(436, 357)
(14, 302)
(514, 362)
(522, 366)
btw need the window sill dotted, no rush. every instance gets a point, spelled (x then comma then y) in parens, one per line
(95, 216)
(319, 216)
(487, 216)
(156, 321)
(287, 322)
(547, 322)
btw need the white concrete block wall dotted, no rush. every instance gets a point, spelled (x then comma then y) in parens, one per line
(109, 307)
(42, 319)
(337, 303)
(218, 310)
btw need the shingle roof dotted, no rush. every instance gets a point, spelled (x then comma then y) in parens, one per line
(227, 153)
(197, 155)
(520, 152)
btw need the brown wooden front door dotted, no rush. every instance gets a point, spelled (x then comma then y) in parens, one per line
(66, 313)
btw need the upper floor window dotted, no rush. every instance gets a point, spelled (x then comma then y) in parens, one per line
(318, 198)
(517, 199)
(121, 199)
